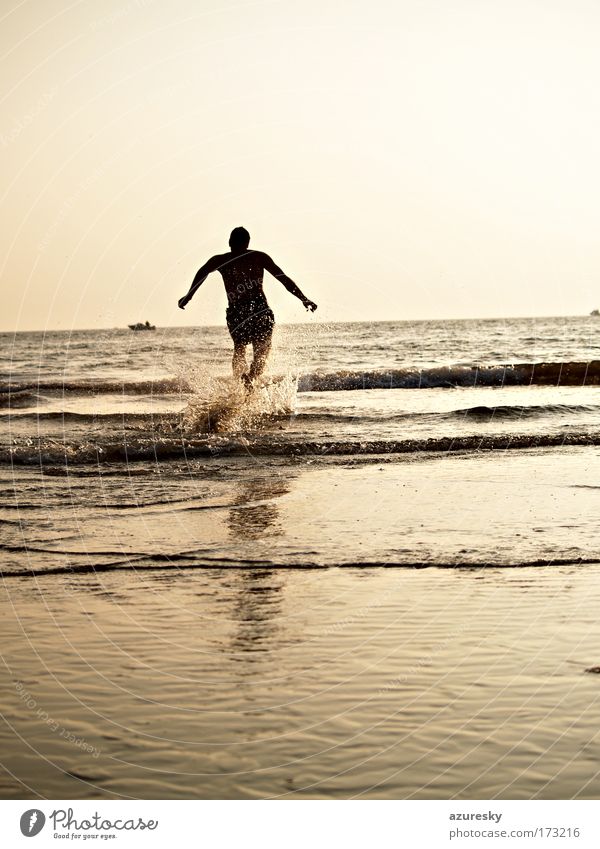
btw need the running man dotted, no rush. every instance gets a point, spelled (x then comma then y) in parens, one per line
(249, 317)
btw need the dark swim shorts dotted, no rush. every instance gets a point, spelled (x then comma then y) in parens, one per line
(250, 321)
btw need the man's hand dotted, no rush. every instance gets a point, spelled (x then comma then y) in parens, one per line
(310, 305)
(182, 302)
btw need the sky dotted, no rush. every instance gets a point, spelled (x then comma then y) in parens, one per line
(409, 159)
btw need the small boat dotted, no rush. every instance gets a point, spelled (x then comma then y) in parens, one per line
(139, 326)
(595, 312)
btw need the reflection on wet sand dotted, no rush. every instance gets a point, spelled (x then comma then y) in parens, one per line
(257, 612)
(253, 513)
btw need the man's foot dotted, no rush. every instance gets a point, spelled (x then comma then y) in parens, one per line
(247, 381)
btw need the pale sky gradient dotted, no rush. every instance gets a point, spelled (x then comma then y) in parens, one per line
(402, 159)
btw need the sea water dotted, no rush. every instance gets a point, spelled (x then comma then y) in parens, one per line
(85, 413)
(376, 576)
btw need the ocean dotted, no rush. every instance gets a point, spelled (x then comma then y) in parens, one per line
(375, 576)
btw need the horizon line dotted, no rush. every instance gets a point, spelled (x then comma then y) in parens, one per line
(301, 323)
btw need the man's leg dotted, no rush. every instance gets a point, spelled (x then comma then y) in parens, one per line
(261, 348)
(238, 363)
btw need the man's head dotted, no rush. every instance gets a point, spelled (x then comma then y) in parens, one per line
(239, 239)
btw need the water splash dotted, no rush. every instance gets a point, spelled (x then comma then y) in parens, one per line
(221, 404)
(228, 408)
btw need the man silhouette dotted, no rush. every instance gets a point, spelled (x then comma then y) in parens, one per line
(249, 317)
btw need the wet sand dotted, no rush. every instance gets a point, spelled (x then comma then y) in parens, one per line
(480, 509)
(159, 679)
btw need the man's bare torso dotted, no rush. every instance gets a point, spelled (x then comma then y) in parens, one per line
(243, 274)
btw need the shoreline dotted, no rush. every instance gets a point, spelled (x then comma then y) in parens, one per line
(453, 508)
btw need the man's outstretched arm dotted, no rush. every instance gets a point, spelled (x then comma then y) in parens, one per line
(201, 275)
(288, 283)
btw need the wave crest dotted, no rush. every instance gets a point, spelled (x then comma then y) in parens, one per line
(184, 447)
(521, 374)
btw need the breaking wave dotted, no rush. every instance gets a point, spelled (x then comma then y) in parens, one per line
(519, 411)
(165, 386)
(523, 374)
(196, 415)
(44, 452)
